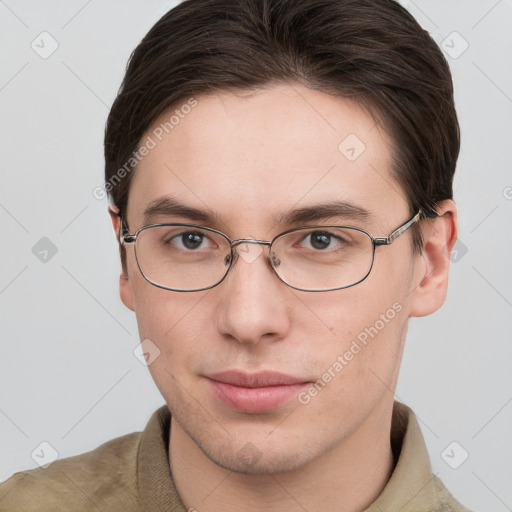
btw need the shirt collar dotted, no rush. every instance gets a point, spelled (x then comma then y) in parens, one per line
(157, 492)
(412, 486)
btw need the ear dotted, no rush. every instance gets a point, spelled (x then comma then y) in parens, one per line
(432, 268)
(125, 287)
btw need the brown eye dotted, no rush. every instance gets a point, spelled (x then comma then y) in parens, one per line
(188, 240)
(192, 240)
(320, 240)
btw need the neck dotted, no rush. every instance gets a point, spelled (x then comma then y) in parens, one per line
(349, 477)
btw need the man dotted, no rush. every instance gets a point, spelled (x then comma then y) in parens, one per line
(280, 174)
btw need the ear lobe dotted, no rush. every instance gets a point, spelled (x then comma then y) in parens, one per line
(125, 291)
(125, 287)
(432, 269)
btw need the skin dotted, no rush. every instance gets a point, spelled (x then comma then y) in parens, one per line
(248, 157)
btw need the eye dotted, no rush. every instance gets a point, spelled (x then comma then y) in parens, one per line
(321, 240)
(189, 240)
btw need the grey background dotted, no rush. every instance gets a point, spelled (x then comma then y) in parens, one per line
(68, 373)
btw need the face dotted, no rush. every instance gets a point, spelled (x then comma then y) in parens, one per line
(247, 159)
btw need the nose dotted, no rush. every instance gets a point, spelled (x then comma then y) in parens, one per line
(253, 303)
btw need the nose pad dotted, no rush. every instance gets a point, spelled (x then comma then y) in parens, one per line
(227, 259)
(275, 260)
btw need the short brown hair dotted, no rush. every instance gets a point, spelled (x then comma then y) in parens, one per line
(372, 51)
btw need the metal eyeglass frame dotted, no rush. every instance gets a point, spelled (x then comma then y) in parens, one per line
(126, 238)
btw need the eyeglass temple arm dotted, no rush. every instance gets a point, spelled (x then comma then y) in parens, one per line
(124, 233)
(398, 231)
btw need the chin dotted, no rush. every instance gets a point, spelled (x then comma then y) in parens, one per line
(251, 460)
(255, 455)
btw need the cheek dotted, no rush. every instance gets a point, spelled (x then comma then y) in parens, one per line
(172, 324)
(345, 314)
(360, 330)
(171, 320)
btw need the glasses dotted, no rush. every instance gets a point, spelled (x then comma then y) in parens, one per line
(188, 257)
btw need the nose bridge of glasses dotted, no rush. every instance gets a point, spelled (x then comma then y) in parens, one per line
(235, 243)
(274, 260)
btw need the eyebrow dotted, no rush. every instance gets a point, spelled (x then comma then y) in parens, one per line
(324, 211)
(166, 206)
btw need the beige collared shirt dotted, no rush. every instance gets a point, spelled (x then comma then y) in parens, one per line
(132, 474)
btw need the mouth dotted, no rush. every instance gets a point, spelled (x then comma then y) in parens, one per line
(257, 392)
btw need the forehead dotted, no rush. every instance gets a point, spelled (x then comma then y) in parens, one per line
(252, 156)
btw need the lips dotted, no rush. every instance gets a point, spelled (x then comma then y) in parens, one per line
(254, 393)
